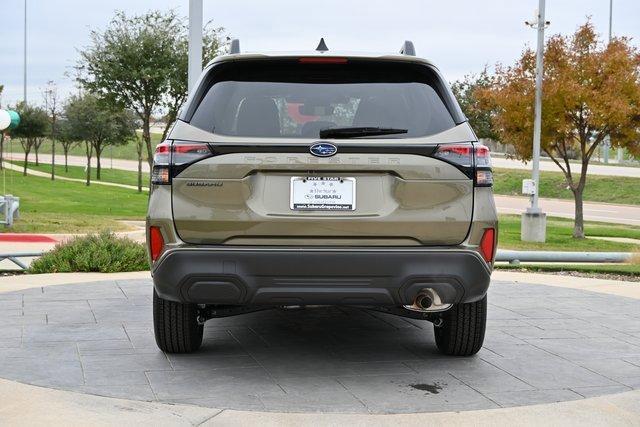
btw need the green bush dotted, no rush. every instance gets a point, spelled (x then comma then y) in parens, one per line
(104, 253)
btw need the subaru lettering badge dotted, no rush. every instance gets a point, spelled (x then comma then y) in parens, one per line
(323, 149)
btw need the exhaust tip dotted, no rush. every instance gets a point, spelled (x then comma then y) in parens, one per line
(423, 301)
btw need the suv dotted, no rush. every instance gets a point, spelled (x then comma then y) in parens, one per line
(311, 179)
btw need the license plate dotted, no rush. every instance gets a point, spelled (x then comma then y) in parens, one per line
(323, 193)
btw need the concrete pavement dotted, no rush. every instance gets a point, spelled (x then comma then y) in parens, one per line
(22, 404)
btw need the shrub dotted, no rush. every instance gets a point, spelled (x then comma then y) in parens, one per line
(104, 253)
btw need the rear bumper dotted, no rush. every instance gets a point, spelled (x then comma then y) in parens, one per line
(310, 276)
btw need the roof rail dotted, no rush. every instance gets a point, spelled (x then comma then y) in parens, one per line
(408, 48)
(235, 46)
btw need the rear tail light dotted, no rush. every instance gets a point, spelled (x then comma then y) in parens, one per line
(472, 159)
(171, 158)
(156, 242)
(488, 244)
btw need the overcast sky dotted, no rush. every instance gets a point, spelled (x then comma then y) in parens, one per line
(460, 36)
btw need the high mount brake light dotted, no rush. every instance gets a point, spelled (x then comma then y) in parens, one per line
(322, 60)
(473, 159)
(171, 158)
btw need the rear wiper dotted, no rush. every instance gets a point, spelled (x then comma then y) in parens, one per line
(355, 132)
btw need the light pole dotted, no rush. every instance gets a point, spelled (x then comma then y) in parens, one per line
(620, 151)
(195, 42)
(534, 221)
(25, 55)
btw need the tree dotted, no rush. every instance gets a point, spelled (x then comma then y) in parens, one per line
(590, 90)
(51, 106)
(67, 139)
(480, 117)
(34, 123)
(212, 46)
(140, 63)
(98, 126)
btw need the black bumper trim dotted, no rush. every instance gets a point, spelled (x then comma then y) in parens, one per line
(309, 276)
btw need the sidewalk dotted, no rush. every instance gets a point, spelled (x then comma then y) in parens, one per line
(33, 172)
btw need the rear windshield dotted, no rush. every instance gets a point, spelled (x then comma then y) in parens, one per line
(293, 100)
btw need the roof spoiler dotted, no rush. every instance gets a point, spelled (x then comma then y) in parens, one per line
(235, 46)
(408, 48)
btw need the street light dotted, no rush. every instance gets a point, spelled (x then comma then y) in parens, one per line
(195, 42)
(25, 55)
(534, 221)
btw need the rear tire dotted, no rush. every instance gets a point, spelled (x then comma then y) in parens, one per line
(462, 331)
(176, 326)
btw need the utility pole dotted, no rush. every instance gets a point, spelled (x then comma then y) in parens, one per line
(195, 42)
(534, 221)
(24, 97)
(620, 151)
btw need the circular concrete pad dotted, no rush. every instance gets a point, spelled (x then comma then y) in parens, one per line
(543, 344)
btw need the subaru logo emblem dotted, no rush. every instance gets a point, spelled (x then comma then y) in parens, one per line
(323, 149)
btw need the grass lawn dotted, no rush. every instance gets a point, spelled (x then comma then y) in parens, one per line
(69, 207)
(559, 236)
(108, 175)
(552, 184)
(621, 269)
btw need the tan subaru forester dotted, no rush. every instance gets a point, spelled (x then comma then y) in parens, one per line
(319, 178)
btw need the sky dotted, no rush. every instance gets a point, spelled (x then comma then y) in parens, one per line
(460, 36)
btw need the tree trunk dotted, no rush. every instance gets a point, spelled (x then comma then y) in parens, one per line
(146, 136)
(36, 147)
(26, 159)
(578, 225)
(139, 149)
(89, 151)
(66, 154)
(53, 159)
(98, 166)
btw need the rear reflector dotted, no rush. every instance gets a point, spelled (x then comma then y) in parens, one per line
(322, 60)
(156, 242)
(487, 244)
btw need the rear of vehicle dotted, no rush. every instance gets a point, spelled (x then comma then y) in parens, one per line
(321, 180)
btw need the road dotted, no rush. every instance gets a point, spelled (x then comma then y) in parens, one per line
(549, 166)
(621, 214)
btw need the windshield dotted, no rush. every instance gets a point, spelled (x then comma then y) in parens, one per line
(270, 107)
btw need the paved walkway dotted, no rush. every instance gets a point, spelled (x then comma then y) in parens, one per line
(545, 344)
(64, 178)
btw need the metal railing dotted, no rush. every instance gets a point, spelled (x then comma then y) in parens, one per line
(512, 257)
(515, 257)
(13, 257)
